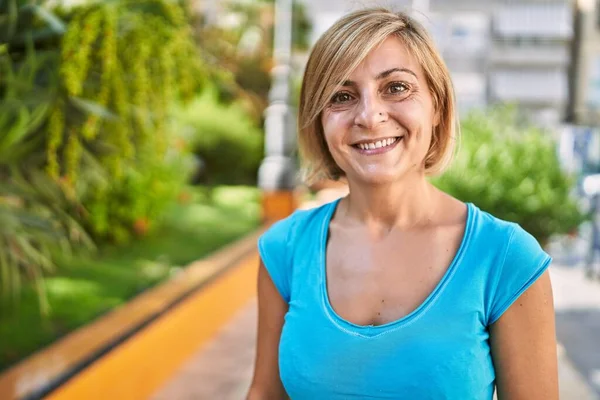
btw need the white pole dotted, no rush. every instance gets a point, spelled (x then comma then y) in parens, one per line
(277, 171)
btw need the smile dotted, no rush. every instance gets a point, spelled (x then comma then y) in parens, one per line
(377, 146)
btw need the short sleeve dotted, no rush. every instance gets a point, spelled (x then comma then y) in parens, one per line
(275, 252)
(525, 261)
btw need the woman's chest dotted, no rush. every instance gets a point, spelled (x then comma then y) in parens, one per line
(376, 283)
(440, 349)
(432, 357)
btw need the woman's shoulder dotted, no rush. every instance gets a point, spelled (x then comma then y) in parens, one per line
(491, 227)
(277, 245)
(506, 236)
(513, 260)
(302, 220)
(481, 226)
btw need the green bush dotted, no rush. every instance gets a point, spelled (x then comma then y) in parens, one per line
(225, 138)
(86, 286)
(510, 168)
(85, 130)
(136, 203)
(87, 91)
(36, 218)
(122, 66)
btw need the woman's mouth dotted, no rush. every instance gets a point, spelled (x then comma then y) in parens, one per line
(377, 146)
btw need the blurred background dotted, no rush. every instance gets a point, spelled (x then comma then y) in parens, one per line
(139, 138)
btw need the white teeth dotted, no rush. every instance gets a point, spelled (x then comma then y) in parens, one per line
(377, 145)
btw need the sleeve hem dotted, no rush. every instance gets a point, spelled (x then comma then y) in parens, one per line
(541, 269)
(271, 269)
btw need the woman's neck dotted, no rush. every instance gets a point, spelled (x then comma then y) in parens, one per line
(399, 205)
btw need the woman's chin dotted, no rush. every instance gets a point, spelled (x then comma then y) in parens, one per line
(376, 178)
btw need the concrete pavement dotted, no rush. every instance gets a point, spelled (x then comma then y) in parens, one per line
(577, 304)
(223, 369)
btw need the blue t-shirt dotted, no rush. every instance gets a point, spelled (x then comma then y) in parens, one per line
(441, 350)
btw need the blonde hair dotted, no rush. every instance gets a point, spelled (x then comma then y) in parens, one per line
(337, 53)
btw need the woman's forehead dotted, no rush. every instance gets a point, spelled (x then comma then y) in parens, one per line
(391, 55)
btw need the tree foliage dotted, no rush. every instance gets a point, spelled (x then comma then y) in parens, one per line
(35, 215)
(122, 66)
(85, 124)
(510, 168)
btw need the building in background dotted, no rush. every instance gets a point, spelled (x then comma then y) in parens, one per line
(585, 107)
(497, 50)
(530, 56)
(461, 29)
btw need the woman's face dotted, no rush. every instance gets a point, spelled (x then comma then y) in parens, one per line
(378, 125)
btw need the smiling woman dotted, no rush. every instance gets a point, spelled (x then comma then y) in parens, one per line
(398, 290)
(383, 102)
(404, 66)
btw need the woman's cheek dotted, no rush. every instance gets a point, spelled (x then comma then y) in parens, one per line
(333, 127)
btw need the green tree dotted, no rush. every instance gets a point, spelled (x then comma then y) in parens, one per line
(123, 64)
(86, 132)
(35, 216)
(510, 168)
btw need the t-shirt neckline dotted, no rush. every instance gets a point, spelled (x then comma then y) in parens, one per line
(374, 330)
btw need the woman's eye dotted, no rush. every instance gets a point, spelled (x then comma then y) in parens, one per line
(341, 98)
(397, 88)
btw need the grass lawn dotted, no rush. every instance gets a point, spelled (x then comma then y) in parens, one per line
(87, 286)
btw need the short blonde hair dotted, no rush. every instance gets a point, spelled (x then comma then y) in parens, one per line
(337, 53)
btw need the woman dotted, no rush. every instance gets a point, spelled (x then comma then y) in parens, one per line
(398, 290)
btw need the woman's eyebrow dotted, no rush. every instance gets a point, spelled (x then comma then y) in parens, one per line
(383, 75)
(388, 72)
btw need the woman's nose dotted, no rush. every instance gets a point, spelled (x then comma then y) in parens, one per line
(370, 112)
